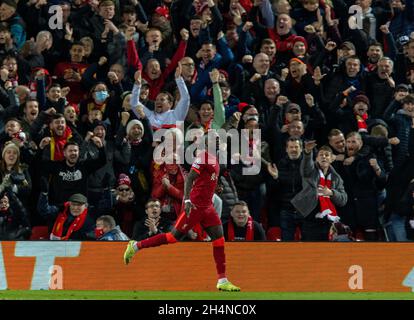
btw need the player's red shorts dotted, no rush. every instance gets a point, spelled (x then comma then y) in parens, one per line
(206, 216)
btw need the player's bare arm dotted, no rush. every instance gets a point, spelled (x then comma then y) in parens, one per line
(192, 176)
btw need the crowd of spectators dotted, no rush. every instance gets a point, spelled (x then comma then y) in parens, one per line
(85, 85)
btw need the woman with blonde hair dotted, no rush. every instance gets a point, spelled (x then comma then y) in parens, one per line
(13, 173)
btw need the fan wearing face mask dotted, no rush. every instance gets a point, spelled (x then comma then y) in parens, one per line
(99, 99)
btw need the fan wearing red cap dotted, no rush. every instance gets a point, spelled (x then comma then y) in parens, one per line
(124, 190)
(361, 105)
(300, 46)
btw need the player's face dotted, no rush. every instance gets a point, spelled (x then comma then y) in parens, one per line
(240, 214)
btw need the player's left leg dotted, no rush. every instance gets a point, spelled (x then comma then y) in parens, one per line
(180, 228)
(217, 237)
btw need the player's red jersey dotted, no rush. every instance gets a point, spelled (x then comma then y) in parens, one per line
(207, 167)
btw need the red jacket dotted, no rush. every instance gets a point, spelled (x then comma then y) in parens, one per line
(174, 194)
(155, 86)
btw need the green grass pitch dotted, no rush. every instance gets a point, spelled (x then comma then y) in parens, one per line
(187, 295)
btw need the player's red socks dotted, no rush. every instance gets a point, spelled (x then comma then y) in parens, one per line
(157, 240)
(219, 257)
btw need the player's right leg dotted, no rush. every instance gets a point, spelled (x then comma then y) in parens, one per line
(216, 234)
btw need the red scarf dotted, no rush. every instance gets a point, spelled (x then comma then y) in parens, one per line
(57, 143)
(249, 230)
(361, 121)
(60, 221)
(327, 207)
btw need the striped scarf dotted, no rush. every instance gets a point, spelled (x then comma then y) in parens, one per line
(327, 207)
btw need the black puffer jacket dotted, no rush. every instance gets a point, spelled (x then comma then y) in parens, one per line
(228, 194)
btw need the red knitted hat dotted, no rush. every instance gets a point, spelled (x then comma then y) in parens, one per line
(124, 180)
(300, 39)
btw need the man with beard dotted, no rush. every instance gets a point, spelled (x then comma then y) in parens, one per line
(363, 179)
(70, 175)
(55, 135)
(374, 53)
(286, 185)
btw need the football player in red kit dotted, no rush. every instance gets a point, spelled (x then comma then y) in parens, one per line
(199, 189)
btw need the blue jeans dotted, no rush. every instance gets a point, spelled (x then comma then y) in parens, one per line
(289, 220)
(398, 227)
